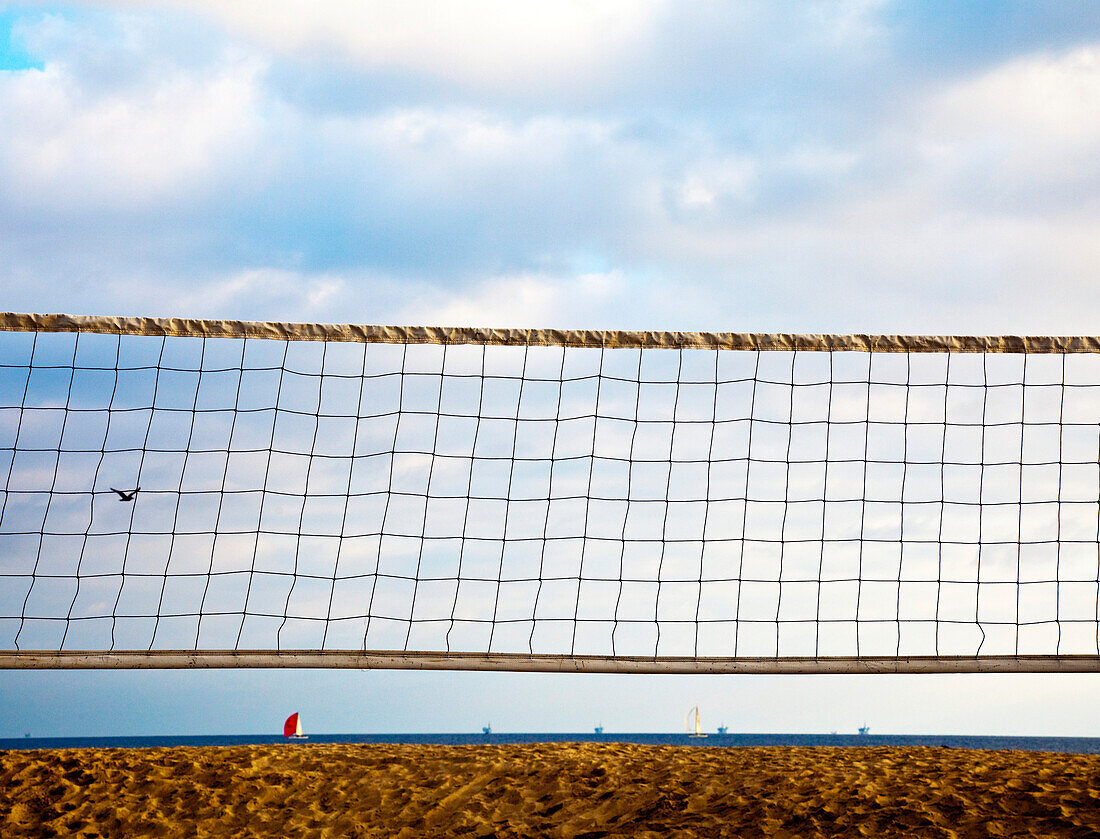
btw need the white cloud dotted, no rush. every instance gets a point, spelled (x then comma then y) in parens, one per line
(258, 289)
(525, 301)
(970, 208)
(65, 145)
(1025, 122)
(710, 181)
(694, 192)
(492, 43)
(1051, 98)
(963, 207)
(442, 138)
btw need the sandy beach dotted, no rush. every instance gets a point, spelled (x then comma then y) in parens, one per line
(577, 791)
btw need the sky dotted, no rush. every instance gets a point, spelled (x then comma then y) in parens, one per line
(816, 167)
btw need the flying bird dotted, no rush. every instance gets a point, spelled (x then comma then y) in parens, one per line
(126, 496)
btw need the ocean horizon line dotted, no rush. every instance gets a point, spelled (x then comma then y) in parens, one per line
(1052, 743)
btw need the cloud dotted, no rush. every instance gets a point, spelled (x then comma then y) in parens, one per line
(489, 43)
(192, 180)
(530, 300)
(260, 288)
(1028, 126)
(967, 208)
(67, 145)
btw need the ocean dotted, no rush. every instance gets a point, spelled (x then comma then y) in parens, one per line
(1072, 745)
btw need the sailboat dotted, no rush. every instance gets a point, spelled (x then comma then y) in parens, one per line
(698, 730)
(292, 728)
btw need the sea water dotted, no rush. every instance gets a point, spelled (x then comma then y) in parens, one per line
(1073, 745)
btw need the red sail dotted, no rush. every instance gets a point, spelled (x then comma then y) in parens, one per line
(290, 727)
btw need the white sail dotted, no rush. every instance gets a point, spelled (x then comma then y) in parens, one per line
(298, 731)
(691, 724)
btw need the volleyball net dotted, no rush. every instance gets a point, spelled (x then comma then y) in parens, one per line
(186, 493)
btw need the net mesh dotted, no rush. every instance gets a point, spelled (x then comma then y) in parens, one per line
(200, 493)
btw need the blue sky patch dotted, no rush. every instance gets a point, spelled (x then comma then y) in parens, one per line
(12, 54)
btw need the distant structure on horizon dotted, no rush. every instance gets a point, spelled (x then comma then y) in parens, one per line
(864, 730)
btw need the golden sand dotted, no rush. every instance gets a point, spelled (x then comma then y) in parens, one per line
(581, 791)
